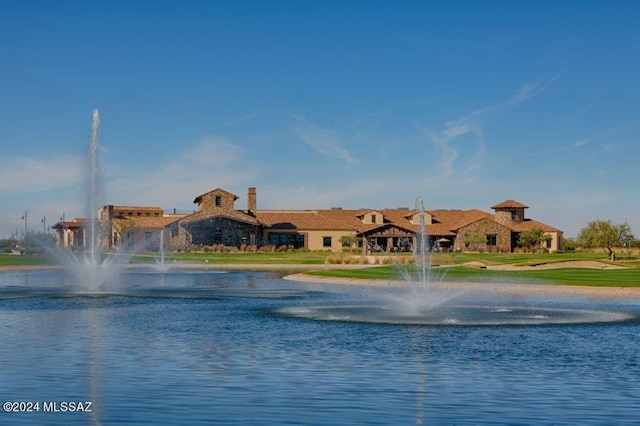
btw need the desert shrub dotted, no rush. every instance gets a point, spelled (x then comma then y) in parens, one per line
(345, 259)
(402, 260)
(333, 259)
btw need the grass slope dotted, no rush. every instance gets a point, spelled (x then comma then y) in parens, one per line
(568, 276)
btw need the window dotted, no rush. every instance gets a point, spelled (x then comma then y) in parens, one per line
(374, 218)
(295, 240)
(492, 239)
(218, 201)
(326, 241)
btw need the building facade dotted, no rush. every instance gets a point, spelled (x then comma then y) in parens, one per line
(217, 221)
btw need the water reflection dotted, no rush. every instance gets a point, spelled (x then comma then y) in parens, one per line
(199, 348)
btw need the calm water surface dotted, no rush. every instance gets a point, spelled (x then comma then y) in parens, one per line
(201, 348)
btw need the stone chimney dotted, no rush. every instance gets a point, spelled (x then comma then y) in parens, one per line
(251, 201)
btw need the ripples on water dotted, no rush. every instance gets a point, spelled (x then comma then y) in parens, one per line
(201, 347)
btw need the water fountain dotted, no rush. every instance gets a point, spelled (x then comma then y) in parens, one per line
(93, 270)
(160, 259)
(244, 347)
(425, 298)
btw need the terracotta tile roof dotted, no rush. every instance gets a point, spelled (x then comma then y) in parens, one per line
(348, 220)
(137, 208)
(448, 221)
(530, 224)
(509, 204)
(456, 219)
(150, 222)
(351, 219)
(75, 223)
(445, 222)
(301, 220)
(439, 230)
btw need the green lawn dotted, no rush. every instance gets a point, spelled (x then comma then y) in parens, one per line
(26, 260)
(302, 258)
(629, 277)
(517, 258)
(240, 258)
(569, 276)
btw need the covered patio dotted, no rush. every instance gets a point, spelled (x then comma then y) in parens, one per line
(387, 238)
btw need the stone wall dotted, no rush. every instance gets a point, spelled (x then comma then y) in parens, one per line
(507, 217)
(486, 227)
(207, 203)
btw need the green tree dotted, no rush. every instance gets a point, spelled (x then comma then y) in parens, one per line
(349, 240)
(605, 234)
(532, 238)
(569, 244)
(474, 241)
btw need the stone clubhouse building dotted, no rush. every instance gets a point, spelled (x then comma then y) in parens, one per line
(218, 222)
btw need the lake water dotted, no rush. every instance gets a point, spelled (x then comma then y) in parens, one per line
(202, 347)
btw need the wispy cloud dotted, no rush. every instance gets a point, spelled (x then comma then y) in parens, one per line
(526, 92)
(473, 148)
(593, 138)
(237, 120)
(322, 140)
(453, 131)
(207, 164)
(22, 174)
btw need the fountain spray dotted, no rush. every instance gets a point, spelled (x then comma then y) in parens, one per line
(95, 190)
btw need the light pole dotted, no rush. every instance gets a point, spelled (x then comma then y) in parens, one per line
(24, 217)
(44, 225)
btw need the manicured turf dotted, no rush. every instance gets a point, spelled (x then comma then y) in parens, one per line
(570, 276)
(629, 277)
(25, 260)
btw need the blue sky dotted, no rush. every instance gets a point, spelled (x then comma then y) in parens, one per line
(323, 104)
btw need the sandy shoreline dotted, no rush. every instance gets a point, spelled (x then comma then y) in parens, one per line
(502, 289)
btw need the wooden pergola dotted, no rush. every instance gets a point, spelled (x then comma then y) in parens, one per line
(388, 237)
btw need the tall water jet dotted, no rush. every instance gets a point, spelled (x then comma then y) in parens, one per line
(95, 186)
(162, 248)
(421, 255)
(93, 269)
(419, 276)
(161, 263)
